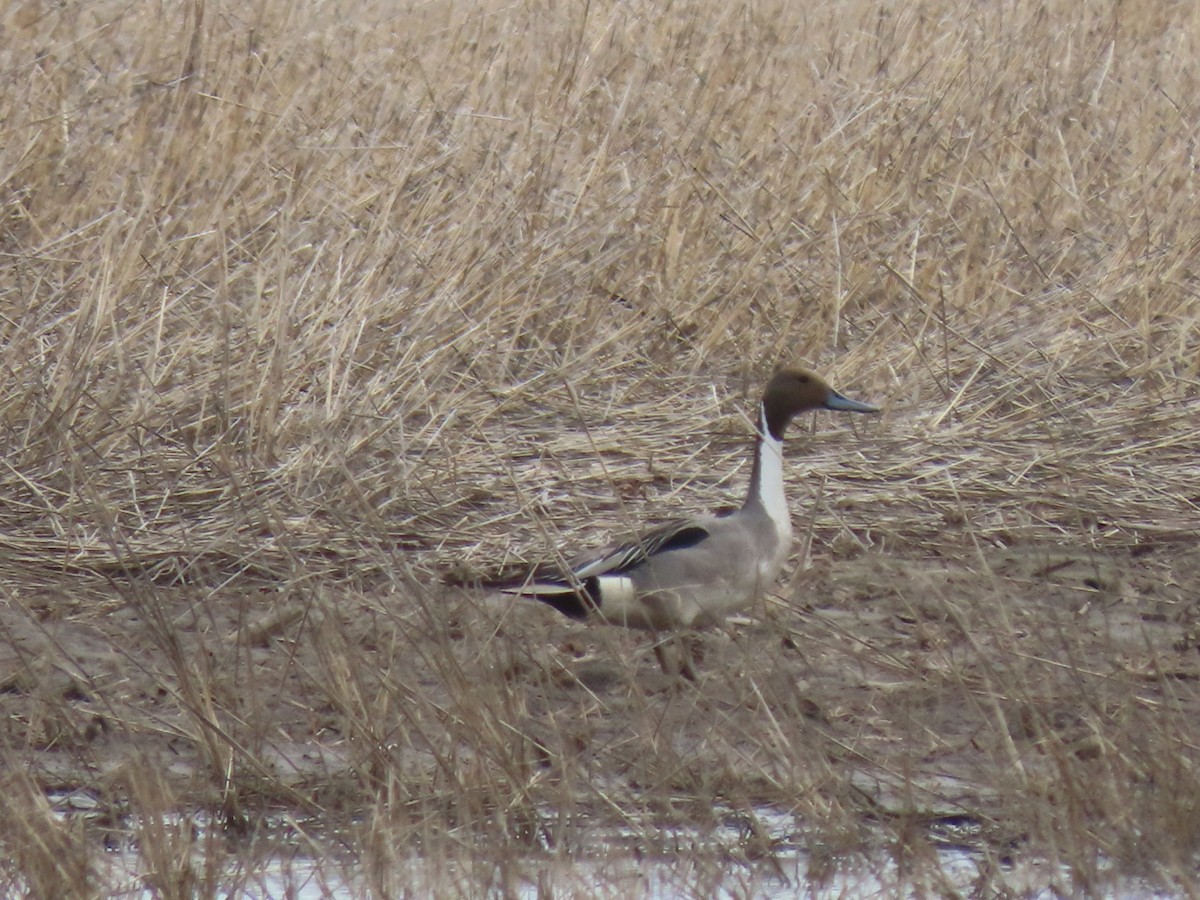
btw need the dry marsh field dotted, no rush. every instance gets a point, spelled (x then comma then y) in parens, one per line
(314, 315)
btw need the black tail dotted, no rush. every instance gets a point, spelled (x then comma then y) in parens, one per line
(573, 602)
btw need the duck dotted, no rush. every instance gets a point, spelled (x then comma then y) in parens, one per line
(694, 572)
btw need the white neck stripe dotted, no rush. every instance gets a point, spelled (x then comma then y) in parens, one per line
(768, 486)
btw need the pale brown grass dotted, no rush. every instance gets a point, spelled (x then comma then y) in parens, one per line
(309, 310)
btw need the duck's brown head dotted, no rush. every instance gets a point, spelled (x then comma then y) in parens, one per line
(793, 391)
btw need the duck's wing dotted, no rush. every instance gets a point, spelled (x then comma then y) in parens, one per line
(617, 560)
(575, 591)
(601, 581)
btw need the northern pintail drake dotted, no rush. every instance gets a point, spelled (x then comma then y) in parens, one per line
(695, 571)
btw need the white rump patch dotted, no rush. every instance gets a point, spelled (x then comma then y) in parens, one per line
(618, 600)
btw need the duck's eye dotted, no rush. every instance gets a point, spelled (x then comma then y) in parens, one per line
(802, 379)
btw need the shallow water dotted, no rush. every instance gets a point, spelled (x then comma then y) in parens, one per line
(709, 863)
(955, 871)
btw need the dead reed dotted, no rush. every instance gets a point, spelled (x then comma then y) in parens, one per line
(308, 310)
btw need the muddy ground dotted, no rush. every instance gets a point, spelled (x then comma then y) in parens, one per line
(946, 692)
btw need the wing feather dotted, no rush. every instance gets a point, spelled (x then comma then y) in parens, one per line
(676, 535)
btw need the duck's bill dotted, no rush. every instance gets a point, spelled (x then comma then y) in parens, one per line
(845, 404)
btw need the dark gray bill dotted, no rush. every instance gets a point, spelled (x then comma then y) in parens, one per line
(837, 401)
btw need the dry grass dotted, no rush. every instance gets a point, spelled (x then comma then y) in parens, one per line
(309, 309)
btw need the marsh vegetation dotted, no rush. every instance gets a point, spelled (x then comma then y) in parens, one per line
(315, 314)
